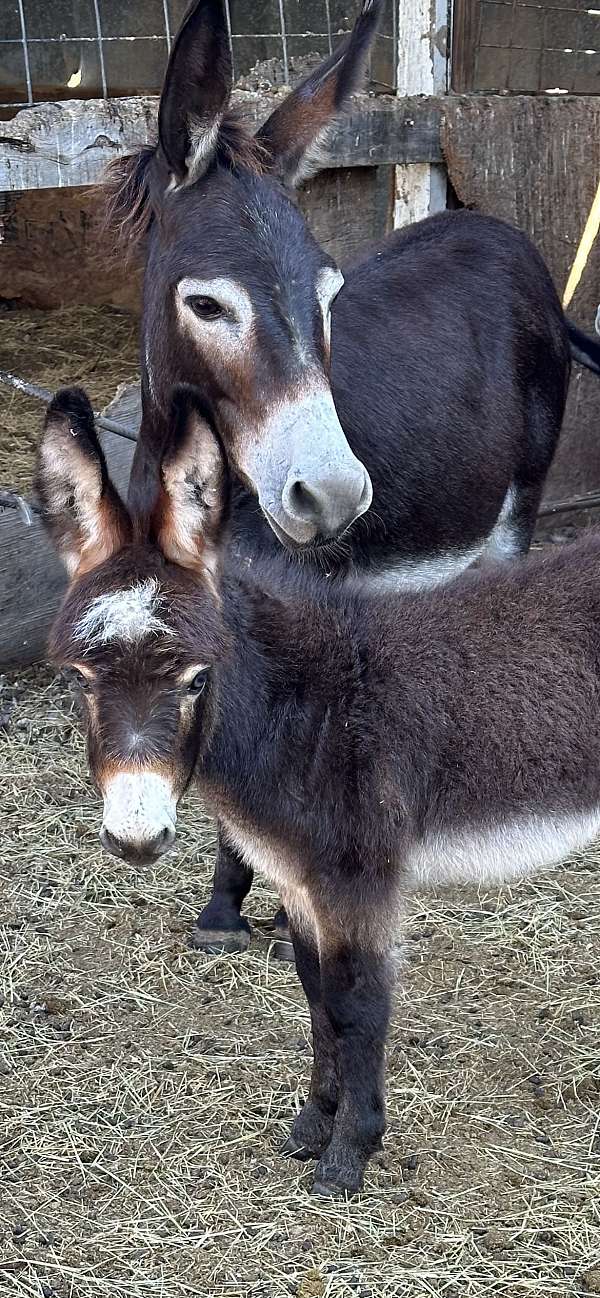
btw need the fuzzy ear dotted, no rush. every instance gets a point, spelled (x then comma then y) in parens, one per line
(80, 508)
(294, 135)
(196, 92)
(190, 514)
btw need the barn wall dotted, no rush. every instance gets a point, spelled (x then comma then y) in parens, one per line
(52, 254)
(536, 162)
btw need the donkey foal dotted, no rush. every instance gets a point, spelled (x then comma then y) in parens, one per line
(353, 746)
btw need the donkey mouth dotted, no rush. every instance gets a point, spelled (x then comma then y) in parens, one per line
(318, 544)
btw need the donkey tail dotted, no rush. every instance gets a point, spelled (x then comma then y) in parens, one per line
(584, 349)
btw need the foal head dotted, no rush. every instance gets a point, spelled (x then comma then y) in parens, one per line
(237, 293)
(141, 626)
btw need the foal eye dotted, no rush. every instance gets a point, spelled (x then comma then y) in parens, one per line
(196, 685)
(75, 677)
(206, 308)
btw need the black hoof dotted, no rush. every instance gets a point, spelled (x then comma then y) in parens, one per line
(335, 1180)
(310, 1134)
(292, 1149)
(220, 941)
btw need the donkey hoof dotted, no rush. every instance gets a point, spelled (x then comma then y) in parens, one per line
(220, 941)
(334, 1180)
(292, 1148)
(310, 1134)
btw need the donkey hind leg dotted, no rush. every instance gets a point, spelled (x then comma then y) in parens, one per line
(312, 1128)
(512, 535)
(514, 530)
(283, 946)
(355, 987)
(220, 927)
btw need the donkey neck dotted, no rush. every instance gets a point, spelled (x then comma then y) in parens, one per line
(290, 701)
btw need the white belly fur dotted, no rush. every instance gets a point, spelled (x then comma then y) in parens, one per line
(501, 853)
(438, 569)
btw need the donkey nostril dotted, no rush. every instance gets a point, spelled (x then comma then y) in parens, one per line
(143, 850)
(164, 840)
(302, 501)
(110, 843)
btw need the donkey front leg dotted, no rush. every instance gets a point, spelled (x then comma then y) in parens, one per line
(356, 993)
(311, 1130)
(220, 927)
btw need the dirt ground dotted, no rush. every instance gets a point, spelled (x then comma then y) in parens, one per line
(146, 1088)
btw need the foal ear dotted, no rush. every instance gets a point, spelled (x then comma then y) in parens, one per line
(196, 92)
(295, 135)
(191, 510)
(80, 507)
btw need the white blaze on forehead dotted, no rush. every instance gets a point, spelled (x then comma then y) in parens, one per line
(232, 298)
(128, 614)
(138, 805)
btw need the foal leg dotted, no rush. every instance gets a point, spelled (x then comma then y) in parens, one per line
(283, 947)
(311, 1130)
(220, 927)
(355, 987)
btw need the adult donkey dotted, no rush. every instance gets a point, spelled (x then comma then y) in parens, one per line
(435, 380)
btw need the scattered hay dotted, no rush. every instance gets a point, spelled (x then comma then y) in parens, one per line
(96, 347)
(146, 1088)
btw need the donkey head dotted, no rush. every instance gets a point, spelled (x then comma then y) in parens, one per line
(237, 293)
(141, 625)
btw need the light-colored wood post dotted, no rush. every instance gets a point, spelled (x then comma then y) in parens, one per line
(422, 70)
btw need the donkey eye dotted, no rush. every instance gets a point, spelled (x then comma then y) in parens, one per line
(206, 308)
(196, 685)
(75, 677)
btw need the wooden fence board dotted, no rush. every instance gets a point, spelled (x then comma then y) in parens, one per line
(70, 142)
(535, 162)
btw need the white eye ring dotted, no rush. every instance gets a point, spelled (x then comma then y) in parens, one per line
(230, 305)
(198, 683)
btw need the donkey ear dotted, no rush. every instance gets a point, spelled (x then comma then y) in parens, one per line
(80, 508)
(196, 91)
(295, 135)
(191, 510)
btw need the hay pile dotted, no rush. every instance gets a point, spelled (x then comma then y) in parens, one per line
(96, 347)
(146, 1088)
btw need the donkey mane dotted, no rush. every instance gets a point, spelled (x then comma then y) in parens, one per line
(125, 201)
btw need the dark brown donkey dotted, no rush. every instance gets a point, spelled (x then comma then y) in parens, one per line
(449, 357)
(353, 745)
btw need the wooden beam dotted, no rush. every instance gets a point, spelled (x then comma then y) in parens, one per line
(54, 145)
(422, 70)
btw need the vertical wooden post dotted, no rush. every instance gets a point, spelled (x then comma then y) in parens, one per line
(422, 70)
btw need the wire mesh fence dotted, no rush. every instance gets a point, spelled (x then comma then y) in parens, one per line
(526, 47)
(61, 49)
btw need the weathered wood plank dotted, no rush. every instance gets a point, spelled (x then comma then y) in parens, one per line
(54, 254)
(346, 209)
(32, 580)
(535, 162)
(422, 70)
(69, 143)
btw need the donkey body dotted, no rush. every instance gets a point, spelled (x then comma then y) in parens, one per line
(433, 380)
(354, 745)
